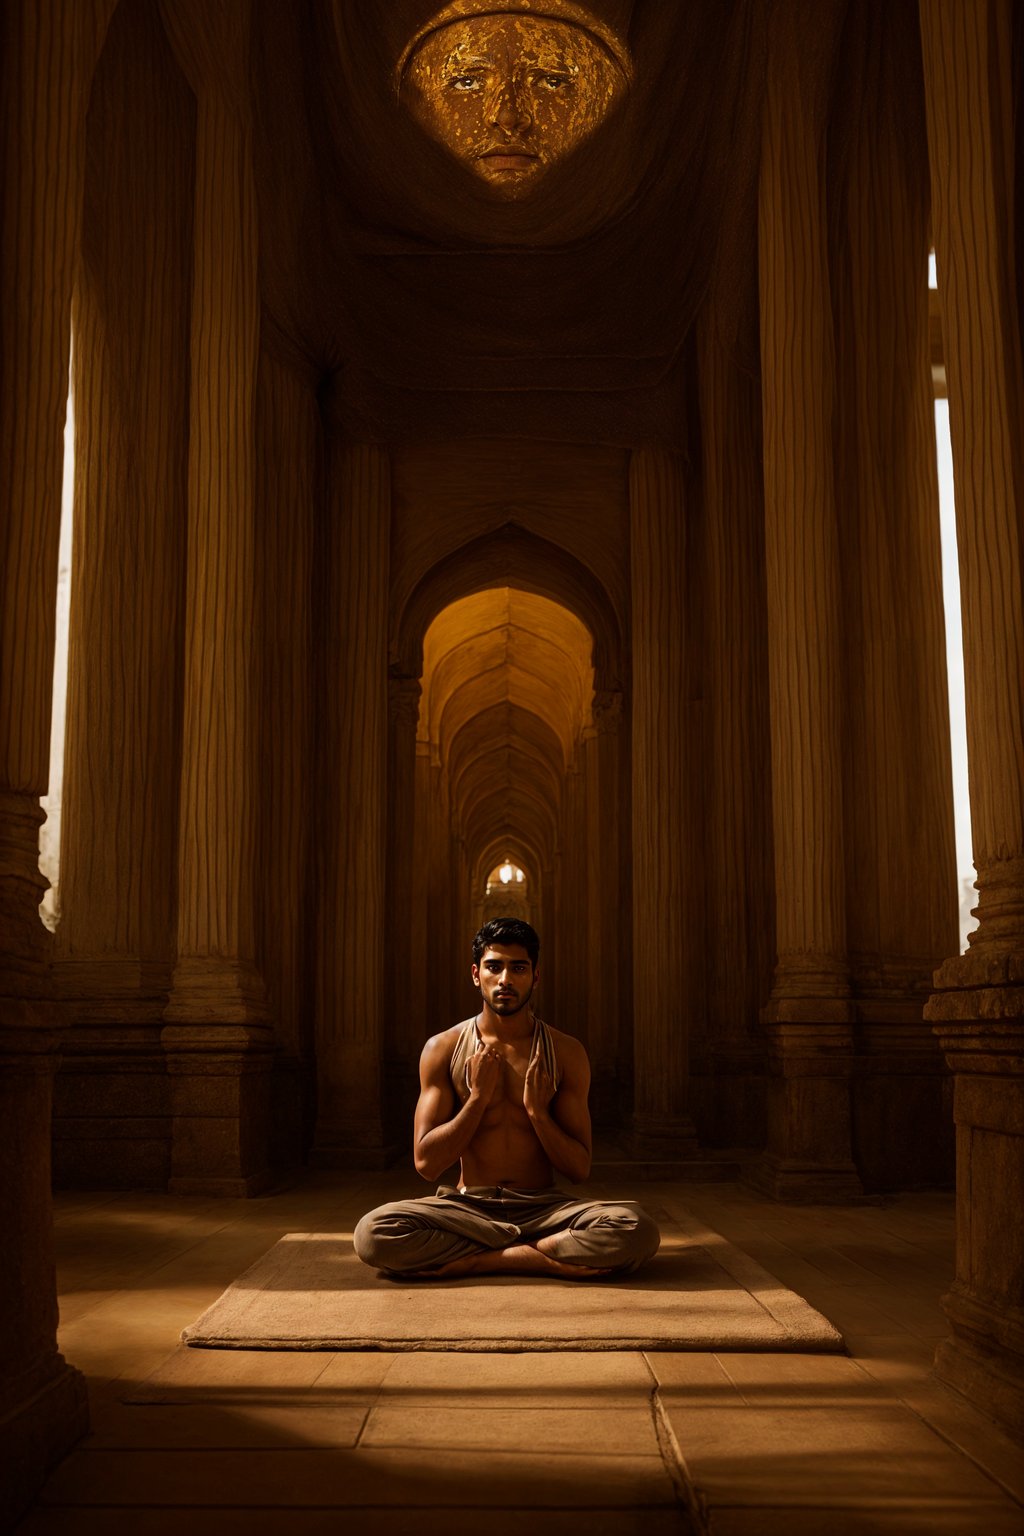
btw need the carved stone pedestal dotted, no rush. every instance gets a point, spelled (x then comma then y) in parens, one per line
(902, 1099)
(111, 1109)
(221, 1107)
(43, 1403)
(978, 1014)
(42, 1415)
(807, 1159)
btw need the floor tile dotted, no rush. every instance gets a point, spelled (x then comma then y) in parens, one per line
(189, 1374)
(273, 1421)
(344, 1479)
(593, 1431)
(366, 1521)
(848, 1455)
(585, 1378)
(800, 1380)
(930, 1520)
(699, 1376)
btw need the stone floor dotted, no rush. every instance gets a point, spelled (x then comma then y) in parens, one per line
(731, 1444)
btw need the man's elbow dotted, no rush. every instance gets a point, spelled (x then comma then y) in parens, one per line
(426, 1166)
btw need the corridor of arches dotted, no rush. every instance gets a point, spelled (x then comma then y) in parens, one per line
(516, 777)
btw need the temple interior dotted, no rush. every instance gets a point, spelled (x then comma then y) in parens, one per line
(528, 510)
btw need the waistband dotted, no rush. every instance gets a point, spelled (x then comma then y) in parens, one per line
(498, 1192)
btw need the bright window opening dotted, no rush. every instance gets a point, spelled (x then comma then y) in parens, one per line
(955, 673)
(506, 875)
(49, 832)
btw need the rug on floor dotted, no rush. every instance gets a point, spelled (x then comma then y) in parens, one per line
(699, 1293)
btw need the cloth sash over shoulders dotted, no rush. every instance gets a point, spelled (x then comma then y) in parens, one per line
(469, 1042)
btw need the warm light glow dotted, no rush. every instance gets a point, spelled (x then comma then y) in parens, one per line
(504, 876)
(49, 832)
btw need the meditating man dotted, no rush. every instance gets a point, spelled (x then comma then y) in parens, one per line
(505, 1095)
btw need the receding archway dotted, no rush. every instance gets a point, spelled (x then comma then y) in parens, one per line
(506, 756)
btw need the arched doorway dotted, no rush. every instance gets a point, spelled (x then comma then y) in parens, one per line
(514, 768)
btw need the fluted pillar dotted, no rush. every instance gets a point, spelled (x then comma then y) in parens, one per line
(115, 942)
(667, 998)
(809, 1016)
(976, 145)
(404, 1036)
(574, 1006)
(46, 66)
(437, 884)
(604, 917)
(900, 855)
(737, 875)
(350, 1128)
(421, 942)
(217, 1035)
(287, 464)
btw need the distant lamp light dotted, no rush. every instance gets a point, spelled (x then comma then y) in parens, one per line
(505, 874)
(519, 877)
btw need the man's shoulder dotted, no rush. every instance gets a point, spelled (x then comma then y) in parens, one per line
(567, 1047)
(444, 1041)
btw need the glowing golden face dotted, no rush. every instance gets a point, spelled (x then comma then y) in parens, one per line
(509, 95)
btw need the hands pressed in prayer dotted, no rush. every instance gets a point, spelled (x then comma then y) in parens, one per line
(538, 1087)
(484, 1073)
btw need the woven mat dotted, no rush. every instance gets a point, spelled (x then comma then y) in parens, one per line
(700, 1293)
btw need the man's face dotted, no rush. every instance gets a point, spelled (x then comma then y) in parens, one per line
(506, 978)
(511, 94)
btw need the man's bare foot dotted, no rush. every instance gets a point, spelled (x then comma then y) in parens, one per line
(523, 1259)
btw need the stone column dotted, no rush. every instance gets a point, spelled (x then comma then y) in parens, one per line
(438, 885)
(422, 943)
(900, 854)
(573, 1015)
(288, 431)
(809, 1017)
(115, 942)
(404, 1034)
(46, 64)
(217, 1035)
(974, 131)
(668, 997)
(603, 831)
(738, 872)
(350, 1130)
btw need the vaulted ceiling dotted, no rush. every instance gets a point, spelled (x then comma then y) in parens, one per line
(507, 690)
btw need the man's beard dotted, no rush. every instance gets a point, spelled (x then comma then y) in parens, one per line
(500, 1005)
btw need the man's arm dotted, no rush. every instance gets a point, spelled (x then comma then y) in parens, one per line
(567, 1139)
(440, 1138)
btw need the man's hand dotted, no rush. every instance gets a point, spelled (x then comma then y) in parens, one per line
(538, 1089)
(484, 1073)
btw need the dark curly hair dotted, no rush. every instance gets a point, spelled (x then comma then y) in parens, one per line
(507, 930)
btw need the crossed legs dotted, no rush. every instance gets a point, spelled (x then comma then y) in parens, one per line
(450, 1234)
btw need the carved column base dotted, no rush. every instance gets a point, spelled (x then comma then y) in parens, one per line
(220, 1080)
(42, 1423)
(980, 1026)
(663, 1136)
(111, 1107)
(808, 1158)
(902, 1100)
(43, 1404)
(984, 1359)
